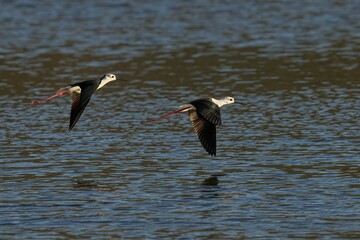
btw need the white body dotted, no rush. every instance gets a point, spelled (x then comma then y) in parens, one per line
(220, 103)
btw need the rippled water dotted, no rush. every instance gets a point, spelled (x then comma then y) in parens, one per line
(288, 155)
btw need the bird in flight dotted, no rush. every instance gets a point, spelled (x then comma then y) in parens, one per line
(204, 115)
(80, 93)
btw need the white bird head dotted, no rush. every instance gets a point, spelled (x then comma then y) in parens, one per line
(109, 77)
(228, 100)
(223, 101)
(106, 78)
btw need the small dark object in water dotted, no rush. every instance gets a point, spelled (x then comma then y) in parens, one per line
(79, 183)
(211, 181)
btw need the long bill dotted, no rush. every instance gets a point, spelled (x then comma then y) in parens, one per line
(170, 114)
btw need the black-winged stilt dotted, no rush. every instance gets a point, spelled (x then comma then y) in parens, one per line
(204, 114)
(80, 93)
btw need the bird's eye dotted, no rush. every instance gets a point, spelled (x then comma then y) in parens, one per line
(112, 76)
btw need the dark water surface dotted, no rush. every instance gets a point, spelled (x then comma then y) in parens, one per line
(288, 155)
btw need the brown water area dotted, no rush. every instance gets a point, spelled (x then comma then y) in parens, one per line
(288, 156)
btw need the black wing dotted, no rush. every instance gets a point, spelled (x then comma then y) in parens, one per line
(80, 102)
(205, 130)
(208, 110)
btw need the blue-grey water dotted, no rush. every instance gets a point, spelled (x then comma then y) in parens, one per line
(288, 156)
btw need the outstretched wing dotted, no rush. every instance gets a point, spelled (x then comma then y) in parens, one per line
(208, 110)
(205, 130)
(79, 103)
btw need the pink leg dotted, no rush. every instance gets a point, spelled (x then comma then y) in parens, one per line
(169, 115)
(49, 98)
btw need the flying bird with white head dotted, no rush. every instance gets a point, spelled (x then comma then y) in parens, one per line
(81, 94)
(205, 116)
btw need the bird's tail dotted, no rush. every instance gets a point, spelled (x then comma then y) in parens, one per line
(58, 93)
(182, 109)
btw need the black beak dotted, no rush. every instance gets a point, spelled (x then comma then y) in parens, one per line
(121, 79)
